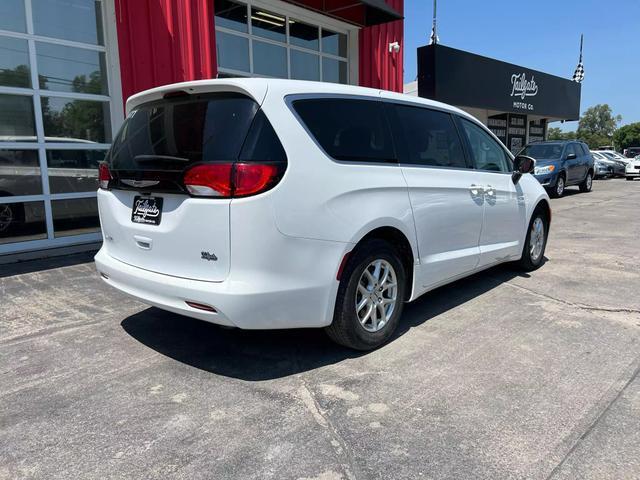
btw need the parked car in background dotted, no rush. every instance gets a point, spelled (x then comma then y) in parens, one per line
(602, 166)
(263, 203)
(615, 161)
(633, 169)
(631, 152)
(560, 164)
(615, 156)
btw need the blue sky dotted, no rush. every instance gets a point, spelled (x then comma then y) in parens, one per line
(543, 35)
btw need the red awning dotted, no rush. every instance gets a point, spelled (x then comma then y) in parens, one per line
(359, 12)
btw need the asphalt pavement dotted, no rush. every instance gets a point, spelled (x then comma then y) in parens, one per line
(501, 375)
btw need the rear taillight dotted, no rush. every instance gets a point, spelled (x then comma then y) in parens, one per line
(209, 180)
(228, 180)
(104, 175)
(252, 178)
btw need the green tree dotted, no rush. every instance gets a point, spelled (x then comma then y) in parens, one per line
(597, 125)
(554, 133)
(16, 77)
(627, 136)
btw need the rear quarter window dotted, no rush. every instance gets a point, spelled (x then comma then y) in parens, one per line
(348, 129)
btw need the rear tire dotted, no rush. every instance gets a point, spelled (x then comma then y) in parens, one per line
(587, 183)
(533, 250)
(558, 190)
(374, 273)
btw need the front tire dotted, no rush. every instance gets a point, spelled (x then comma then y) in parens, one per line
(536, 242)
(558, 190)
(629, 178)
(587, 183)
(370, 297)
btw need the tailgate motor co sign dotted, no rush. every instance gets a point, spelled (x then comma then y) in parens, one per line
(523, 88)
(464, 79)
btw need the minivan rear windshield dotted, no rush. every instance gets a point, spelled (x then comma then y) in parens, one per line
(173, 133)
(547, 151)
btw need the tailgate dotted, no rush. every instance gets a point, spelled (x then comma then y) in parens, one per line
(192, 239)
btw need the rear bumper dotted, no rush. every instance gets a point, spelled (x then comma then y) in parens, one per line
(632, 173)
(254, 301)
(601, 171)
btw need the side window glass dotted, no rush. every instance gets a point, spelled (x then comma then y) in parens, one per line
(487, 153)
(262, 143)
(350, 130)
(430, 137)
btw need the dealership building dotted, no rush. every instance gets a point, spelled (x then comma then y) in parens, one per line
(516, 103)
(68, 66)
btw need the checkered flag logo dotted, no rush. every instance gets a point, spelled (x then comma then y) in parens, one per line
(433, 38)
(578, 75)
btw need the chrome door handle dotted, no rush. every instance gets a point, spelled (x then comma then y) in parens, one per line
(490, 191)
(476, 189)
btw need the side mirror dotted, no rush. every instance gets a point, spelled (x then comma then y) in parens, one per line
(571, 156)
(521, 165)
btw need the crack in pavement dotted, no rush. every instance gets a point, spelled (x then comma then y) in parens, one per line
(594, 423)
(581, 306)
(619, 392)
(340, 448)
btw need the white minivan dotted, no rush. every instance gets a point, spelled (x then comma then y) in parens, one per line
(263, 204)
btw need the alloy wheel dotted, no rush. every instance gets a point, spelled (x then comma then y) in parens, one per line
(536, 239)
(589, 181)
(6, 217)
(560, 186)
(376, 295)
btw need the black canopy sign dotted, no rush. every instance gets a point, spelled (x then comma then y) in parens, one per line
(465, 79)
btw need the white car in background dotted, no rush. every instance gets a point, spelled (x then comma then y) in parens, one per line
(615, 156)
(263, 204)
(633, 168)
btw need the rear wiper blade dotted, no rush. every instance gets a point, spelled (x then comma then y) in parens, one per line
(150, 158)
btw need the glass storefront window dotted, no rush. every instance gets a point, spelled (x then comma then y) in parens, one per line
(231, 15)
(71, 120)
(232, 52)
(304, 35)
(76, 20)
(268, 25)
(75, 216)
(334, 43)
(12, 16)
(305, 66)
(17, 122)
(22, 221)
(55, 130)
(19, 173)
(73, 170)
(69, 69)
(334, 70)
(269, 59)
(14, 63)
(276, 45)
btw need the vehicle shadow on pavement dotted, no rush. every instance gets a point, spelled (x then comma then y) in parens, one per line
(255, 355)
